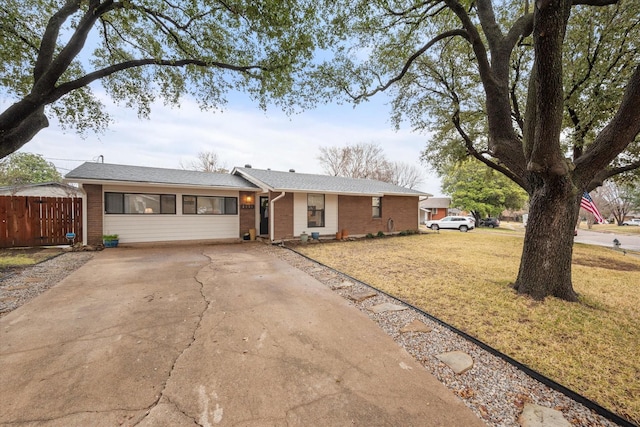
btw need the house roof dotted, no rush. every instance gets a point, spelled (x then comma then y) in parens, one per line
(35, 187)
(100, 172)
(239, 179)
(436, 202)
(301, 182)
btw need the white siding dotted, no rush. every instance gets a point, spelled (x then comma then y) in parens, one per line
(300, 215)
(138, 228)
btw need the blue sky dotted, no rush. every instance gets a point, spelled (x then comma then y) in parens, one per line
(240, 134)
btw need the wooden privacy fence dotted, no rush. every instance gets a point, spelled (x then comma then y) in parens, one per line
(39, 221)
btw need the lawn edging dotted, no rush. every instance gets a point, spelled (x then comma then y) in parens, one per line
(588, 403)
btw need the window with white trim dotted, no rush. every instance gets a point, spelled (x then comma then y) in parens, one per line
(376, 207)
(315, 210)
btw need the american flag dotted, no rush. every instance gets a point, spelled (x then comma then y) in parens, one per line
(587, 204)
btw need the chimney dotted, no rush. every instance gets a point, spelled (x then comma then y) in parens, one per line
(292, 170)
(248, 166)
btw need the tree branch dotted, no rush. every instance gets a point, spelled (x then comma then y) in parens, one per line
(411, 60)
(604, 174)
(475, 153)
(489, 24)
(60, 64)
(50, 37)
(522, 28)
(594, 2)
(616, 136)
(65, 88)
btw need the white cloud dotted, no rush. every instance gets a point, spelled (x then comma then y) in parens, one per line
(239, 136)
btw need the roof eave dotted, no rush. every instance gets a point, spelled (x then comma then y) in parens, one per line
(255, 181)
(156, 184)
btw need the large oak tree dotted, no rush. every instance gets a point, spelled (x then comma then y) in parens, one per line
(546, 92)
(52, 51)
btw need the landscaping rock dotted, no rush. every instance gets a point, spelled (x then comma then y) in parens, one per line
(541, 416)
(458, 361)
(415, 326)
(343, 285)
(361, 296)
(387, 306)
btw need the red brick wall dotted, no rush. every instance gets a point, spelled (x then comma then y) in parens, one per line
(95, 212)
(442, 212)
(355, 214)
(283, 218)
(247, 212)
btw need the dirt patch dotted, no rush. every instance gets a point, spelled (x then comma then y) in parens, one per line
(13, 260)
(608, 263)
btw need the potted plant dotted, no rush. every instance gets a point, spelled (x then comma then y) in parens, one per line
(304, 237)
(110, 240)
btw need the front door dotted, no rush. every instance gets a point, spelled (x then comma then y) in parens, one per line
(264, 215)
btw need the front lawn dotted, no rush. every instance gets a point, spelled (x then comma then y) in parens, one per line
(464, 279)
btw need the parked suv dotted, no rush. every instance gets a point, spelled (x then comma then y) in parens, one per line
(461, 223)
(634, 221)
(490, 222)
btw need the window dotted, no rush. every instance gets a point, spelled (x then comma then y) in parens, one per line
(139, 203)
(376, 207)
(315, 210)
(207, 205)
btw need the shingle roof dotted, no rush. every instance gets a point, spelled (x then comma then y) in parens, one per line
(123, 173)
(240, 178)
(436, 202)
(300, 182)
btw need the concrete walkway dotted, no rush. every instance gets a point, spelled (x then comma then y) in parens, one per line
(209, 335)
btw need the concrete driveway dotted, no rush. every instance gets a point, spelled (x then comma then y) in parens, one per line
(209, 335)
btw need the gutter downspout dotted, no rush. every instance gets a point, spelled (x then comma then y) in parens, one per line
(85, 220)
(272, 214)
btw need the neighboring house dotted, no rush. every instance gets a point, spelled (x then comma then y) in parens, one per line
(434, 208)
(44, 189)
(143, 204)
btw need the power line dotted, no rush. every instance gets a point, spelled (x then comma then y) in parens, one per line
(67, 160)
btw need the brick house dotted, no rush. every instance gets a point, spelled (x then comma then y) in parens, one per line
(434, 208)
(143, 204)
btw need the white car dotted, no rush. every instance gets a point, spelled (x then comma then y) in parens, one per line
(461, 223)
(635, 221)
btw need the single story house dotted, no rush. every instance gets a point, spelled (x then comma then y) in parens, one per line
(43, 189)
(434, 208)
(144, 204)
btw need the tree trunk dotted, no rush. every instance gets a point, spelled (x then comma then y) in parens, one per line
(545, 266)
(17, 127)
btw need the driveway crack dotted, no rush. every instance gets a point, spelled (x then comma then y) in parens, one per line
(161, 396)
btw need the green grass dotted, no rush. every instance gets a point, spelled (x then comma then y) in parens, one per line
(24, 257)
(16, 261)
(464, 279)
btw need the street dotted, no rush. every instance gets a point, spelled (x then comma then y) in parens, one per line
(627, 241)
